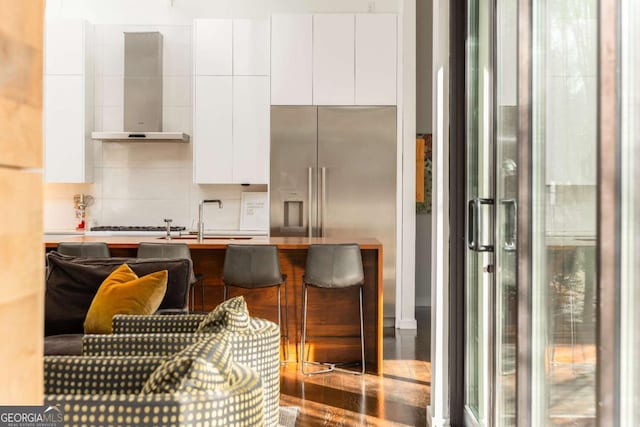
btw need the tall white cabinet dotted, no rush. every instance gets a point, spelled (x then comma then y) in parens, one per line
(251, 129)
(291, 59)
(212, 129)
(334, 59)
(231, 107)
(68, 101)
(375, 59)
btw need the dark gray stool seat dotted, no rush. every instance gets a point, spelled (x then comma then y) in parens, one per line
(84, 249)
(256, 267)
(174, 250)
(335, 266)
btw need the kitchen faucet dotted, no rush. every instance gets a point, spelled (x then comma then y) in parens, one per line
(200, 217)
(168, 222)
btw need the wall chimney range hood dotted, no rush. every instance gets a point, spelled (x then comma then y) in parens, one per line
(142, 93)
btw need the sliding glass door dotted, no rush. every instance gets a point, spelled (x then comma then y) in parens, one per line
(491, 191)
(558, 351)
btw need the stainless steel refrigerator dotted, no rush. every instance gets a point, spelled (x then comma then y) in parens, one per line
(333, 174)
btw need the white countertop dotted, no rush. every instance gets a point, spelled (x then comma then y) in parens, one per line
(207, 232)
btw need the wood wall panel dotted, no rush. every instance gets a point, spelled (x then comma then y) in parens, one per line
(21, 329)
(21, 264)
(21, 35)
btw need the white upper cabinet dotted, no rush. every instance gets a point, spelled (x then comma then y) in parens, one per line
(251, 41)
(212, 47)
(68, 102)
(376, 59)
(291, 59)
(65, 135)
(333, 59)
(65, 47)
(212, 129)
(251, 129)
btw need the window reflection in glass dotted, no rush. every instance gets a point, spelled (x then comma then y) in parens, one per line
(564, 135)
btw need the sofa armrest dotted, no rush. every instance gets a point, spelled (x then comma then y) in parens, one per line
(239, 404)
(97, 375)
(155, 323)
(137, 344)
(258, 347)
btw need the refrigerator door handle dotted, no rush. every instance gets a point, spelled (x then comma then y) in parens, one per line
(323, 197)
(309, 202)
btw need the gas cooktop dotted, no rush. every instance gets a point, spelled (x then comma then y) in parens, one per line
(150, 228)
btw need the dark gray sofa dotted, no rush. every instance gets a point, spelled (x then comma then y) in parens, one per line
(71, 284)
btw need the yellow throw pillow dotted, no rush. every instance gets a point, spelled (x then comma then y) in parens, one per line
(123, 292)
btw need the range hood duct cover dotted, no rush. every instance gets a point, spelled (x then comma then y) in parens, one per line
(142, 92)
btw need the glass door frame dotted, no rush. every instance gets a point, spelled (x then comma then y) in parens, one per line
(609, 226)
(523, 269)
(485, 130)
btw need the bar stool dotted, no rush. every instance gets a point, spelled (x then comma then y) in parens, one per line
(256, 267)
(334, 266)
(84, 249)
(174, 250)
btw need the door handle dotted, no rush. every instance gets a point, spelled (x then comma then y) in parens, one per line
(309, 200)
(471, 224)
(474, 225)
(510, 225)
(323, 199)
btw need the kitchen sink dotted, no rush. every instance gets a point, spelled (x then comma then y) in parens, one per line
(206, 238)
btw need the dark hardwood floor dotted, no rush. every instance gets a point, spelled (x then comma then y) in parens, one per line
(399, 397)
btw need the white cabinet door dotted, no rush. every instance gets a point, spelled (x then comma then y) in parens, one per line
(333, 59)
(376, 39)
(251, 124)
(212, 131)
(64, 129)
(212, 47)
(291, 59)
(251, 41)
(64, 47)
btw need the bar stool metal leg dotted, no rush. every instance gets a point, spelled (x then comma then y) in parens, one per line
(286, 323)
(304, 327)
(362, 329)
(286, 320)
(331, 366)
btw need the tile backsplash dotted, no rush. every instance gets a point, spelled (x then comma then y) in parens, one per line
(143, 183)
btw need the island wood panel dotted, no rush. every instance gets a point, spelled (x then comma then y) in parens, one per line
(331, 312)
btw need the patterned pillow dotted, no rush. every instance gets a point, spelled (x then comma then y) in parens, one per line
(232, 315)
(205, 365)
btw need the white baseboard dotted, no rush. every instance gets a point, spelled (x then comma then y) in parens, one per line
(407, 324)
(433, 422)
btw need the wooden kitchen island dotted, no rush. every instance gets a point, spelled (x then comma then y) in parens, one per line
(330, 313)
